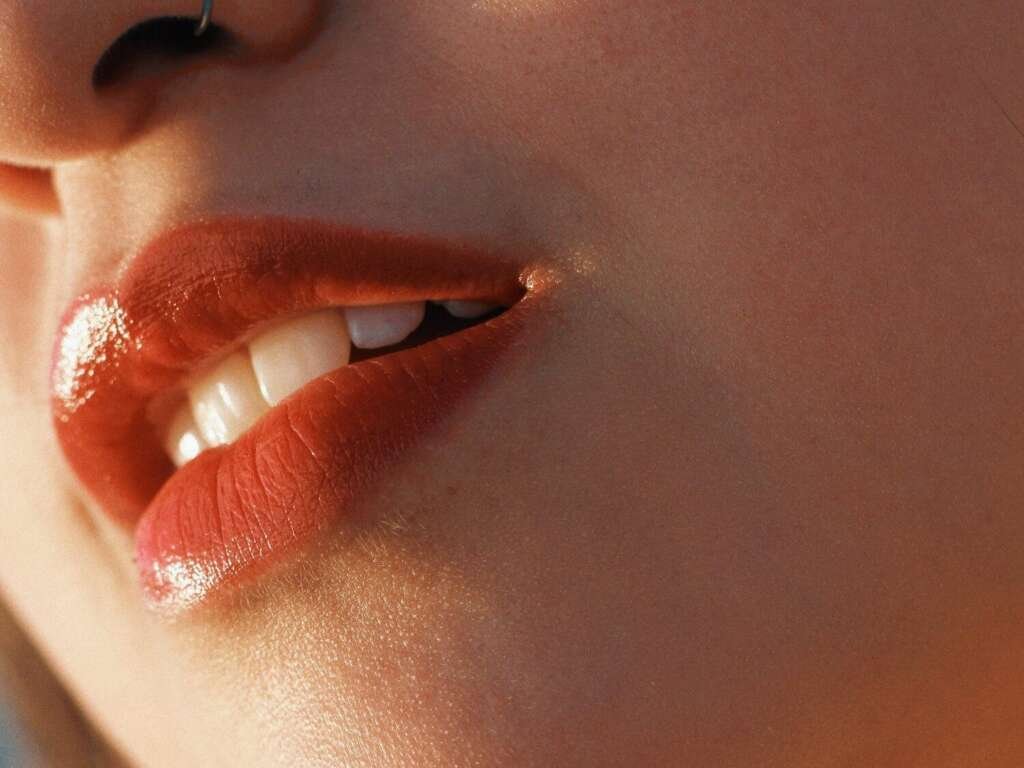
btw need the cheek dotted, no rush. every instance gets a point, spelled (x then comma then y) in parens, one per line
(580, 77)
(538, 596)
(26, 266)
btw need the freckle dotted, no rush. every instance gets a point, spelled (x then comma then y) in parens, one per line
(452, 490)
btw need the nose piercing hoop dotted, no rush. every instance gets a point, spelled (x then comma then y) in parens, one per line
(204, 19)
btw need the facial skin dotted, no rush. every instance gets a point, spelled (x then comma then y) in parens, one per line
(753, 498)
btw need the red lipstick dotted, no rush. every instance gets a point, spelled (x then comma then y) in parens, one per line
(192, 295)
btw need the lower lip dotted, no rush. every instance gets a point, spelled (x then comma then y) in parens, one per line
(235, 510)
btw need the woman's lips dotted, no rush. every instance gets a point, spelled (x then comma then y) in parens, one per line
(195, 293)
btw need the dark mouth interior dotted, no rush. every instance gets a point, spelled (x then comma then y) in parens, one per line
(437, 322)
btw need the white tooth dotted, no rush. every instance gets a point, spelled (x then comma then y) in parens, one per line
(384, 324)
(468, 309)
(292, 354)
(183, 441)
(227, 401)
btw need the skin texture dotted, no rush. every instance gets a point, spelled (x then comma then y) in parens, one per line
(754, 499)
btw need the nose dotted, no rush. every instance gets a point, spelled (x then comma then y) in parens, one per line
(63, 98)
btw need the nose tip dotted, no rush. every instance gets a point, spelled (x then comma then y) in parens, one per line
(48, 54)
(52, 107)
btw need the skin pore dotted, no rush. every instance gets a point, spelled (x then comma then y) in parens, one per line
(753, 496)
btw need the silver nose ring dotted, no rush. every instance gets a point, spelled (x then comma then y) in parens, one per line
(204, 19)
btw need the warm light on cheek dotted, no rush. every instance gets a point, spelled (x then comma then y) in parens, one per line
(522, 8)
(95, 328)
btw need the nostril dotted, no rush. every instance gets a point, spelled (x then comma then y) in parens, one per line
(154, 47)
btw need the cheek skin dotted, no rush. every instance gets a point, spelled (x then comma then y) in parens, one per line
(432, 631)
(29, 275)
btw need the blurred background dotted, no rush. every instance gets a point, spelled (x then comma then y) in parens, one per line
(13, 750)
(40, 725)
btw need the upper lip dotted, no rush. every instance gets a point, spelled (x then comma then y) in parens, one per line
(194, 292)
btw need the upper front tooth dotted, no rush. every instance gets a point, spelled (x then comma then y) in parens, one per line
(184, 442)
(293, 353)
(384, 324)
(227, 401)
(468, 309)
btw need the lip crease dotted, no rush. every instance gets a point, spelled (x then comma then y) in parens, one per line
(308, 462)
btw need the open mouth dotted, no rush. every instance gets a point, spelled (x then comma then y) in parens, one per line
(245, 383)
(220, 404)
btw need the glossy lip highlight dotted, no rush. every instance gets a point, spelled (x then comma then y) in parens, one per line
(191, 295)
